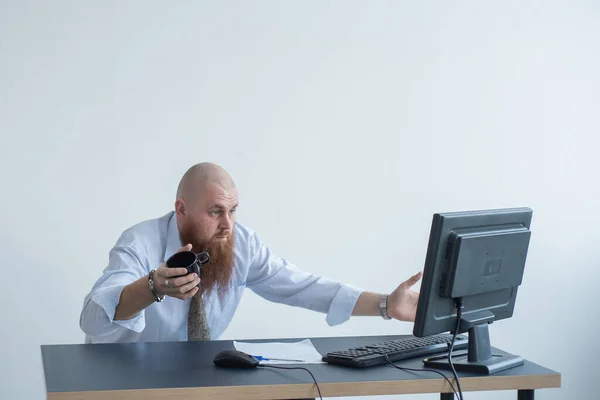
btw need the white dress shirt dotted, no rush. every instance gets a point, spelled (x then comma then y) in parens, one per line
(150, 243)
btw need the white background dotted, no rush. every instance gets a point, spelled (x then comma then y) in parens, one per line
(345, 124)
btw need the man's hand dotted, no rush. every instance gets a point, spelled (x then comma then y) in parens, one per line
(174, 282)
(168, 281)
(402, 302)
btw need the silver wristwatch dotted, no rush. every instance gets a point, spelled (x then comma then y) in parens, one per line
(383, 306)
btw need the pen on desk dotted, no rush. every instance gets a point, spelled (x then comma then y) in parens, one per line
(261, 358)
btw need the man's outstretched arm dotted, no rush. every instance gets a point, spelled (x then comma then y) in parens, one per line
(402, 302)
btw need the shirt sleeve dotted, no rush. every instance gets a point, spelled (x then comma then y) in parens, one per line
(97, 315)
(277, 280)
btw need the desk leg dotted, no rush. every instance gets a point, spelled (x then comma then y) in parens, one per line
(446, 396)
(525, 394)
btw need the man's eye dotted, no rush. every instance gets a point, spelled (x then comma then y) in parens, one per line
(232, 211)
(215, 213)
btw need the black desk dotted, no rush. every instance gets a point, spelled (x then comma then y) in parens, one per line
(184, 370)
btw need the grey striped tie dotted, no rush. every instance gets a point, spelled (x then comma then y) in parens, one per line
(197, 325)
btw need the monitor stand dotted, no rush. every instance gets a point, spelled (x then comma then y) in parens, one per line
(479, 358)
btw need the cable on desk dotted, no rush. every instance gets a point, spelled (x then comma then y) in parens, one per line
(305, 369)
(459, 307)
(425, 370)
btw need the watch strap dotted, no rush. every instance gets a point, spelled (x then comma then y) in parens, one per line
(383, 306)
(157, 298)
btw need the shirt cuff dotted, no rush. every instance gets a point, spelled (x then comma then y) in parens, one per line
(109, 299)
(343, 304)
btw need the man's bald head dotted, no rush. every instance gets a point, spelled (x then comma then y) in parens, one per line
(198, 177)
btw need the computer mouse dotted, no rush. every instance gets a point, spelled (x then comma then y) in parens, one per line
(235, 359)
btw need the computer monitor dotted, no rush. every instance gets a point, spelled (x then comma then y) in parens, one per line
(475, 258)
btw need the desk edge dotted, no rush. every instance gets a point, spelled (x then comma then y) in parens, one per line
(333, 389)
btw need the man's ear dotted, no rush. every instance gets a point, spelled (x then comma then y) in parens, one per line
(180, 207)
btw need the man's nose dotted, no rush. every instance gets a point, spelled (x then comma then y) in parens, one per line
(226, 222)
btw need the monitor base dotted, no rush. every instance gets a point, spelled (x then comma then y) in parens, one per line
(500, 361)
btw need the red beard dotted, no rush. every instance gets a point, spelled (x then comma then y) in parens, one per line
(217, 273)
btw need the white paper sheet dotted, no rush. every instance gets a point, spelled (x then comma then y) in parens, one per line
(302, 350)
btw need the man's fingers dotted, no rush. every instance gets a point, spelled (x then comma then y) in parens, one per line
(189, 294)
(412, 280)
(177, 282)
(188, 286)
(187, 247)
(170, 272)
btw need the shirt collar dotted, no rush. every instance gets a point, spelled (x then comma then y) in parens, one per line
(173, 238)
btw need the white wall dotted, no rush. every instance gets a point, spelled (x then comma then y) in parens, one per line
(346, 125)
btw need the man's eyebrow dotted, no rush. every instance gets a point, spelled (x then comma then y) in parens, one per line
(220, 207)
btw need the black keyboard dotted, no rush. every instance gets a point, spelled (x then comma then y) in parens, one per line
(395, 350)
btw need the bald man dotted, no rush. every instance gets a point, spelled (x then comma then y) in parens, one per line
(137, 298)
